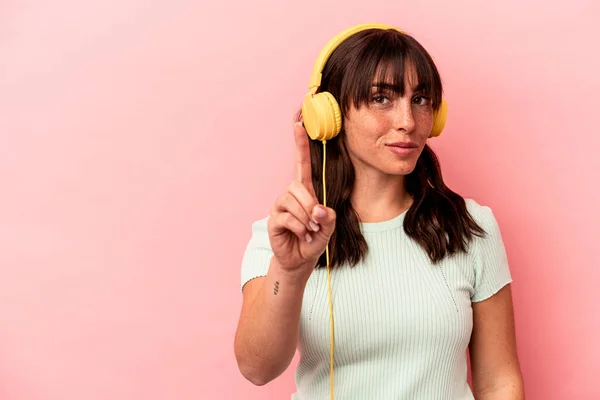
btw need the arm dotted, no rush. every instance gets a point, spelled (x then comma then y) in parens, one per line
(295, 235)
(494, 362)
(268, 327)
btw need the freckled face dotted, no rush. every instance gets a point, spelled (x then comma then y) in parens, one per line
(389, 133)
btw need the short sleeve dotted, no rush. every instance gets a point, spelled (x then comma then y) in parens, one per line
(490, 262)
(258, 253)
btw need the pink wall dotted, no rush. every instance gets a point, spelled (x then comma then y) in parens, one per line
(120, 245)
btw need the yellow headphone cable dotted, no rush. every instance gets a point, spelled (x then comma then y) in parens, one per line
(332, 335)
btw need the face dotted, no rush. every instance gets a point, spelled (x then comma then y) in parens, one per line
(389, 133)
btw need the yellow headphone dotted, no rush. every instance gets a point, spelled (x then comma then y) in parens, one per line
(322, 120)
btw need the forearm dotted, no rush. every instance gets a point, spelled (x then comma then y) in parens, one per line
(268, 332)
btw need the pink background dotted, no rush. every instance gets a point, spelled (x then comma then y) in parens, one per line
(139, 140)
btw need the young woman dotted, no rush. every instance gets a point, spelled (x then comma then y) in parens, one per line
(418, 275)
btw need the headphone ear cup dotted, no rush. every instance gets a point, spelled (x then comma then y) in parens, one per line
(322, 116)
(439, 120)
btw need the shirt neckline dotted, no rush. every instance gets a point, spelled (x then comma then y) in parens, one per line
(390, 224)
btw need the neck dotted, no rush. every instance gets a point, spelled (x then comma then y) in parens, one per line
(377, 197)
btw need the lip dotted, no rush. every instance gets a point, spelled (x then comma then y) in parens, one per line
(402, 148)
(403, 145)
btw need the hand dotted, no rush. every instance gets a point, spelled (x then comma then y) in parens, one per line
(299, 227)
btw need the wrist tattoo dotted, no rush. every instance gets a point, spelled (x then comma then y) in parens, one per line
(276, 288)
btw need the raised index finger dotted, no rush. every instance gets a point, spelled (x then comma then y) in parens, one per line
(303, 169)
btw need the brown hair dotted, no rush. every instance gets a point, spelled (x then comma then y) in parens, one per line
(438, 219)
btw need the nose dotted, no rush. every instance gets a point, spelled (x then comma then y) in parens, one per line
(404, 119)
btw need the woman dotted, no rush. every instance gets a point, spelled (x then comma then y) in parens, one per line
(418, 275)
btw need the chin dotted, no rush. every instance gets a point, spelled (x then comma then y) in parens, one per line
(403, 168)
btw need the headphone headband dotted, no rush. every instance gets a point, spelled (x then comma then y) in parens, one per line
(332, 44)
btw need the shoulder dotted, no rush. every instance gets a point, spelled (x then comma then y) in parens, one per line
(257, 255)
(258, 239)
(491, 243)
(260, 232)
(482, 214)
(488, 253)
(485, 217)
(260, 224)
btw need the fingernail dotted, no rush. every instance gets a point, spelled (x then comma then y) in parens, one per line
(319, 212)
(308, 238)
(313, 226)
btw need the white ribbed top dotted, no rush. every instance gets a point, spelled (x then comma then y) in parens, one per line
(402, 325)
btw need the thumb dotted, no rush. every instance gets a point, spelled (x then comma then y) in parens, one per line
(326, 218)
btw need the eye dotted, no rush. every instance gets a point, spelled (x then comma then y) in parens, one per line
(421, 100)
(380, 98)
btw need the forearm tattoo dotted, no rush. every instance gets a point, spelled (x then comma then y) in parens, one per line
(276, 288)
